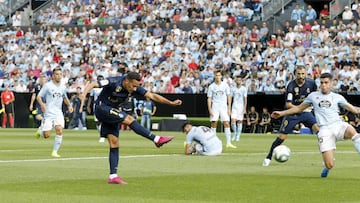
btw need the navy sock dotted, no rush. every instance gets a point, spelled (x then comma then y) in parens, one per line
(276, 143)
(140, 130)
(114, 160)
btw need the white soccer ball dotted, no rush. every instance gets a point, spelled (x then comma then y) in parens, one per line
(281, 153)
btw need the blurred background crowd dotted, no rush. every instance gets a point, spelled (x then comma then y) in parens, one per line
(88, 38)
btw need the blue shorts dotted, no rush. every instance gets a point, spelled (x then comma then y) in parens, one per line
(289, 122)
(110, 119)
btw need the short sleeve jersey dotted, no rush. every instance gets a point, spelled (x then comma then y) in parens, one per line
(113, 93)
(54, 96)
(218, 94)
(239, 95)
(326, 107)
(296, 94)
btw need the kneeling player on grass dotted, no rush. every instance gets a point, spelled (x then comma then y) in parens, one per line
(332, 128)
(201, 140)
(108, 109)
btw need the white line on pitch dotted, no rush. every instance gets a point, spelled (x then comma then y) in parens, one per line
(85, 158)
(151, 155)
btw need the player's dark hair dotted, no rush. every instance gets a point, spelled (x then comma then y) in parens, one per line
(326, 75)
(56, 69)
(184, 125)
(218, 71)
(299, 67)
(100, 77)
(133, 76)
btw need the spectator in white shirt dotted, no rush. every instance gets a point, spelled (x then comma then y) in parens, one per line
(16, 19)
(347, 14)
(20, 87)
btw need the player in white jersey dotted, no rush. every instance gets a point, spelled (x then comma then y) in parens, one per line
(332, 129)
(94, 94)
(219, 104)
(50, 98)
(238, 108)
(201, 140)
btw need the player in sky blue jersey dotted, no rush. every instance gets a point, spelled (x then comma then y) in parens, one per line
(50, 98)
(296, 91)
(108, 109)
(201, 140)
(332, 128)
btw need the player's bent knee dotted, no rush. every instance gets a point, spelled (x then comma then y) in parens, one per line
(282, 136)
(128, 120)
(46, 134)
(113, 141)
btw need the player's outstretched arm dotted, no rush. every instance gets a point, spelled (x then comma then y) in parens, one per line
(87, 90)
(68, 103)
(158, 98)
(353, 109)
(292, 110)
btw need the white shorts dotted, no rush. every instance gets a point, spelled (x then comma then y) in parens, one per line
(223, 114)
(49, 123)
(237, 114)
(329, 135)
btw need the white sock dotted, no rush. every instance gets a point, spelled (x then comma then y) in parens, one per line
(156, 139)
(239, 129)
(356, 137)
(113, 175)
(227, 135)
(57, 142)
(356, 141)
(41, 132)
(233, 127)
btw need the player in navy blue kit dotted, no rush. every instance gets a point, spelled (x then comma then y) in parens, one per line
(37, 113)
(296, 92)
(108, 109)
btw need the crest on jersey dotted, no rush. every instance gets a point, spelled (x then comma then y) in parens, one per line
(296, 90)
(118, 89)
(308, 90)
(324, 104)
(219, 93)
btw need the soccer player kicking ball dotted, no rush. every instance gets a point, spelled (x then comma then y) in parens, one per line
(108, 110)
(326, 108)
(296, 92)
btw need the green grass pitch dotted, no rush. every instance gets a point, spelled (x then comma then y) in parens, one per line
(29, 174)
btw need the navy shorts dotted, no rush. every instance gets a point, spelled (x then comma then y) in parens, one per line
(289, 122)
(110, 119)
(38, 109)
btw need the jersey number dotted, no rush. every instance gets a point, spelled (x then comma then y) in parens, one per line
(205, 129)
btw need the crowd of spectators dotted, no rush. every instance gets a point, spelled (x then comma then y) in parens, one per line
(172, 59)
(90, 12)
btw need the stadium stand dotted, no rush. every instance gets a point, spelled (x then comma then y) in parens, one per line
(88, 38)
